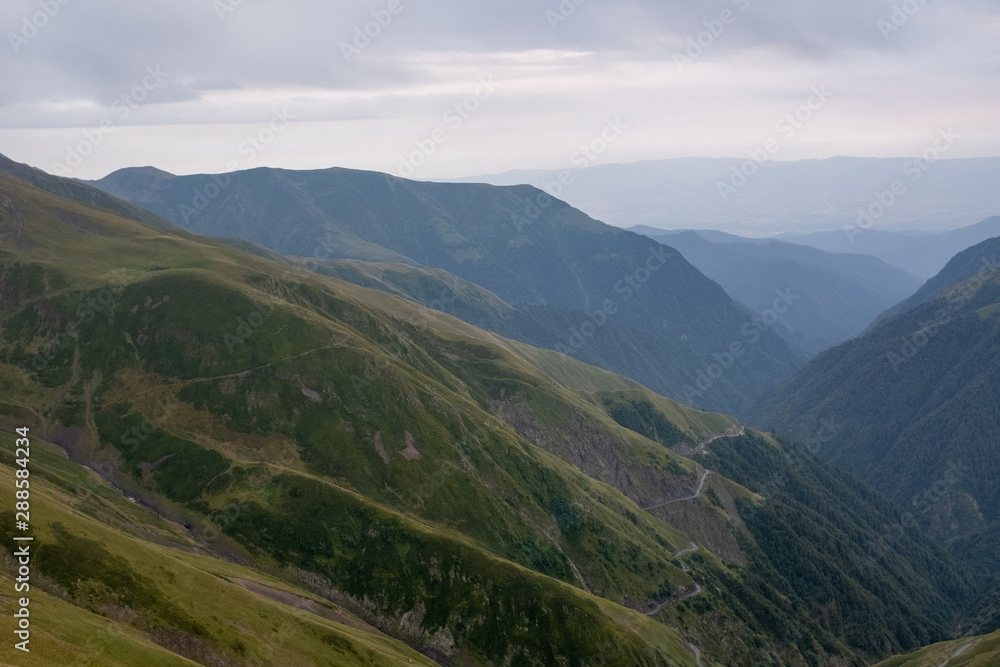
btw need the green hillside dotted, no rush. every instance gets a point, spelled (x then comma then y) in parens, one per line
(965, 265)
(127, 587)
(839, 583)
(971, 652)
(916, 402)
(471, 498)
(80, 192)
(327, 415)
(598, 293)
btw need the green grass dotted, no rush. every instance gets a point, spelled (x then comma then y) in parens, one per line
(64, 634)
(142, 590)
(976, 652)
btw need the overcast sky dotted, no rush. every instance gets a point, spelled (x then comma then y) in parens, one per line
(227, 70)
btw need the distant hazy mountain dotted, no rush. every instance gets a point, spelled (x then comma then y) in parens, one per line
(916, 403)
(599, 293)
(808, 195)
(836, 296)
(920, 253)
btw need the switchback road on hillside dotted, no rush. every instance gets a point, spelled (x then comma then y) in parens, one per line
(731, 433)
(697, 654)
(687, 596)
(697, 494)
(700, 449)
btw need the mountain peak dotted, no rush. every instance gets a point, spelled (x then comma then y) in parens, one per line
(137, 175)
(141, 171)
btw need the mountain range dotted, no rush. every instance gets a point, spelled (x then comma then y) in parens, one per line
(763, 198)
(837, 296)
(922, 254)
(239, 460)
(916, 398)
(598, 293)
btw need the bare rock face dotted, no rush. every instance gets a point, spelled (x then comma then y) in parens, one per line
(411, 453)
(380, 448)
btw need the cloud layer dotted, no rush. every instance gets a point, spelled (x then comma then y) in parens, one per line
(369, 82)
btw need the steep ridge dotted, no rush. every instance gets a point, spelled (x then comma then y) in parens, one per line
(80, 192)
(473, 497)
(962, 267)
(916, 398)
(595, 292)
(308, 412)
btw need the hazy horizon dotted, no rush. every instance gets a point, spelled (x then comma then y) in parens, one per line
(478, 90)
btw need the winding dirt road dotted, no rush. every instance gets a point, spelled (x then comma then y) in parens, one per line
(694, 547)
(697, 494)
(958, 653)
(700, 449)
(687, 596)
(731, 433)
(697, 654)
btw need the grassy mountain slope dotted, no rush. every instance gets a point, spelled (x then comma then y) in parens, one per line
(917, 401)
(111, 578)
(839, 295)
(81, 192)
(328, 415)
(633, 352)
(598, 293)
(975, 652)
(479, 500)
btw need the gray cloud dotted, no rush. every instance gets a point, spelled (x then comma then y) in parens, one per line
(231, 69)
(94, 48)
